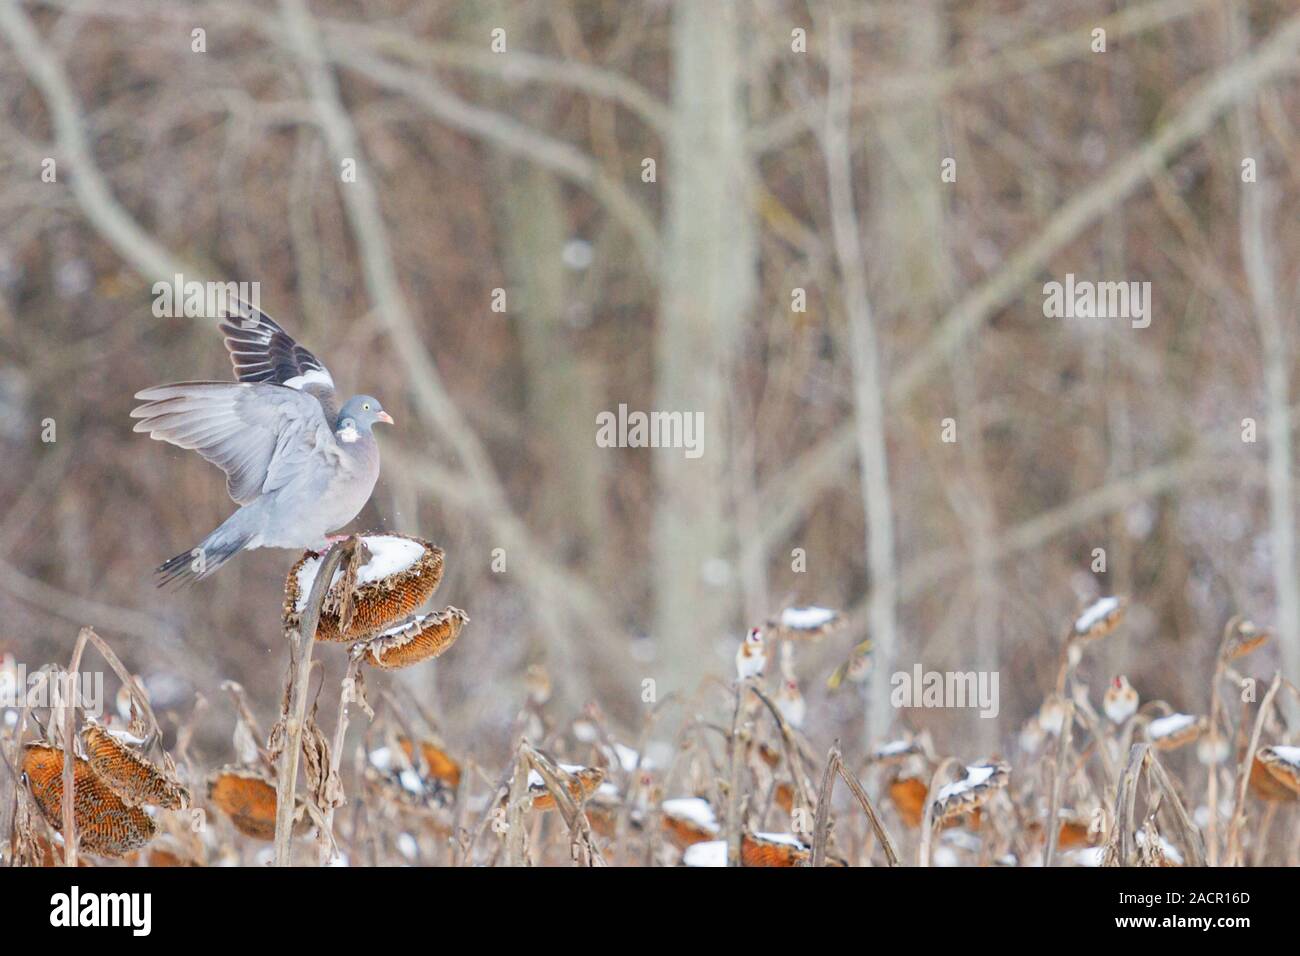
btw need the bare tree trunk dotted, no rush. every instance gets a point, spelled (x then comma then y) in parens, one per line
(913, 271)
(1106, 364)
(1257, 260)
(561, 407)
(979, 514)
(559, 395)
(708, 283)
(911, 266)
(867, 384)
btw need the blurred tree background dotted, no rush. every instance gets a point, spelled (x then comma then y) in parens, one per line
(734, 207)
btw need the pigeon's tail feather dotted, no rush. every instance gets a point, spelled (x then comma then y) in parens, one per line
(190, 566)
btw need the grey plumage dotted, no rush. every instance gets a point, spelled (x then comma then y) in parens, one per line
(298, 466)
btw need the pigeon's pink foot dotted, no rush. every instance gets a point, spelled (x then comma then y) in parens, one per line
(330, 541)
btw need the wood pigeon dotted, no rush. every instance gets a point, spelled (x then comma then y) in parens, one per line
(298, 466)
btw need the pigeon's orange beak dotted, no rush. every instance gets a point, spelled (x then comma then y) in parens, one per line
(384, 417)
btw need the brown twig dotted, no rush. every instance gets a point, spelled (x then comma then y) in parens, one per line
(822, 823)
(70, 703)
(1232, 856)
(821, 827)
(736, 748)
(877, 825)
(927, 820)
(793, 747)
(1191, 836)
(1126, 801)
(1212, 784)
(347, 694)
(575, 817)
(301, 643)
(516, 831)
(1053, 826)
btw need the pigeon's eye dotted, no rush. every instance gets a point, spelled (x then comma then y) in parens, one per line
(366, 406)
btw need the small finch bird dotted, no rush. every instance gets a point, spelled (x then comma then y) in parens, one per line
(751, 656)
(856, 668)
(538, 682)
(1120, 701)
(791, 703)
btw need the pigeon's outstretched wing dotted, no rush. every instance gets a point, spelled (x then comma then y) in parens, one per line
(261, 351)
(264, 436)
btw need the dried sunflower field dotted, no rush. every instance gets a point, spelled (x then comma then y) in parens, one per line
(805, 433)
(1127, 782)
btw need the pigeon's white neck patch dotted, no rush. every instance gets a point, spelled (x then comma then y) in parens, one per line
(348, 433)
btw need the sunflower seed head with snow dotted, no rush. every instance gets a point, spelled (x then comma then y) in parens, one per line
(1175, 730)
(1283, 763)
(972, 791)
(1246, 637)
(1099, 618)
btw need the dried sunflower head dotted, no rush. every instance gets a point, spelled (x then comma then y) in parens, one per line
(399, 783)
(972, 791)
(805, 623)
(1172, 732)
(895, 752)
(1246, 637)
(249, 799)
(442, 765)
(106, 826)
(422, 638)
(399, 576)
(689, 820)
(908, 797)
(772, 849)
(1283, 763)
(116, 757)
(1099, 619)
(581, 783)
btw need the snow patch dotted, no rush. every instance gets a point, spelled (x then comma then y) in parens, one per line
(807, 618)
(125, 737)
(1167, 849)
(1097, 612)
(535, 778)
(1166, 726)
(1288, 755)
(694, 810)
(411, 781)
(408, 846)
(974, 777)
(894, 748)
(709, 853)
(388, 555)
(789, 839)
(628, 759)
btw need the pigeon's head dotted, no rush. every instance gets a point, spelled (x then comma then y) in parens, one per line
(360, 413)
